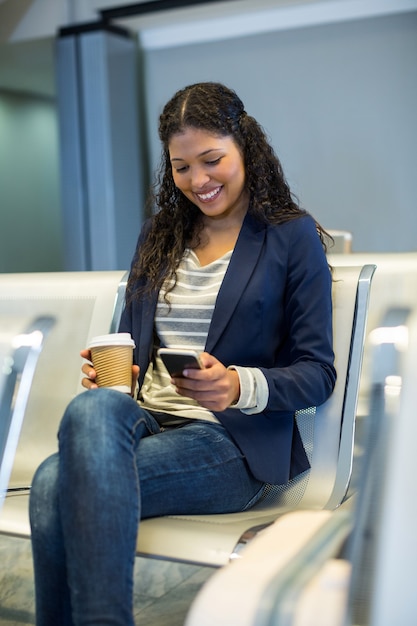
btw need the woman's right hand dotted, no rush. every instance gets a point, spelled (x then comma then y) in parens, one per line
(89, 382)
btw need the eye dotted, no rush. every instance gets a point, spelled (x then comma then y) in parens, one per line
(182, 169)
(215, 162)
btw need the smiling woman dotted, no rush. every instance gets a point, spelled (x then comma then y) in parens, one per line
(228, 266)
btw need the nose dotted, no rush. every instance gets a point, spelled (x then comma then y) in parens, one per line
(199, 178)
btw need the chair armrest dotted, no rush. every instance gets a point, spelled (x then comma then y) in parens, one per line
(244, 591)
(15, 390)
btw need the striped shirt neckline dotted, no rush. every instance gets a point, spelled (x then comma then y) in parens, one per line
(184, 323)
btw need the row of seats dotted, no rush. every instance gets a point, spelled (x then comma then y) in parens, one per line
(84, 304)
(81, 304)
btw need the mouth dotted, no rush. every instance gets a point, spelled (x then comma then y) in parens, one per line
(210, 195)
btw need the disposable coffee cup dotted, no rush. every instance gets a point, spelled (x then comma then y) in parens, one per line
(112, 357)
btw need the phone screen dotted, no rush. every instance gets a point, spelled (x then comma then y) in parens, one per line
(177, 361)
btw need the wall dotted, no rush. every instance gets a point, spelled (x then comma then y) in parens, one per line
(337, 100)
(30, 215)
(339, 103)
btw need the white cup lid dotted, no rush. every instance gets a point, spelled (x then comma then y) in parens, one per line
(113, 339)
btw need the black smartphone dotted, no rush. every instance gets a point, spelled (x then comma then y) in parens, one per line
(176, 361)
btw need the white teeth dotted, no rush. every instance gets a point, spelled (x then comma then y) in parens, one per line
(208, 196)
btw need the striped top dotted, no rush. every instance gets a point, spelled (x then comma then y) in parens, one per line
(183, 323)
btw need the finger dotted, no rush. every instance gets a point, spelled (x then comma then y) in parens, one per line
(213, 372)
(89, 371)
(88, 383)
(202, 383)
(188, 384)
(135, 376)
(208, 360)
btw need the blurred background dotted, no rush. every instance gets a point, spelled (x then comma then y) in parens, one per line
(82, 82)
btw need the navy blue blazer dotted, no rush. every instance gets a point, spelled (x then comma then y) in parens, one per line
(273, 311)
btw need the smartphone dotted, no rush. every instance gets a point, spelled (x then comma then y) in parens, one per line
(176, 361)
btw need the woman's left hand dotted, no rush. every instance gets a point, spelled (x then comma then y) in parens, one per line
(214, 387)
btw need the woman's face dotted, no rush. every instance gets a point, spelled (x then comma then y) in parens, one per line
(209, 170)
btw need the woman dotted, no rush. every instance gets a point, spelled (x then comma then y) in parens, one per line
(230, 266)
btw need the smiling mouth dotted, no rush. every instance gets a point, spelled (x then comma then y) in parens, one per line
(206, 197)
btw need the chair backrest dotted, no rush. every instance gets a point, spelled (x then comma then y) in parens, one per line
(328, 430)
(342, 241)
(321, 428)
(394, 283)
(328, 435)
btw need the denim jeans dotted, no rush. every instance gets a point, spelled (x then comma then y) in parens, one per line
(115, 466)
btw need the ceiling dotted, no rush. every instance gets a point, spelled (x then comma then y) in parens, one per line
(27, 65)
(27, 34)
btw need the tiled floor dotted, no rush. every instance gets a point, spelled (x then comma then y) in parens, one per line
(163, 591)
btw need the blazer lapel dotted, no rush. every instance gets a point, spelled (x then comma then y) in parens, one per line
(145, 347)
(242, 263)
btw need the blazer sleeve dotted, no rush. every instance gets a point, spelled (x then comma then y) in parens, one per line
(304, 374)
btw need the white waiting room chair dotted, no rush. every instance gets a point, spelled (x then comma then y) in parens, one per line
(328, 436)
(82, 304)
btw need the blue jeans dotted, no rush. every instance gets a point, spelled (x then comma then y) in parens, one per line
(115, 466)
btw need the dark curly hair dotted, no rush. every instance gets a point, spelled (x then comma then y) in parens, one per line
(217, 109)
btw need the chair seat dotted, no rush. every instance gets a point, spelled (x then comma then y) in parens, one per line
(202, 539)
